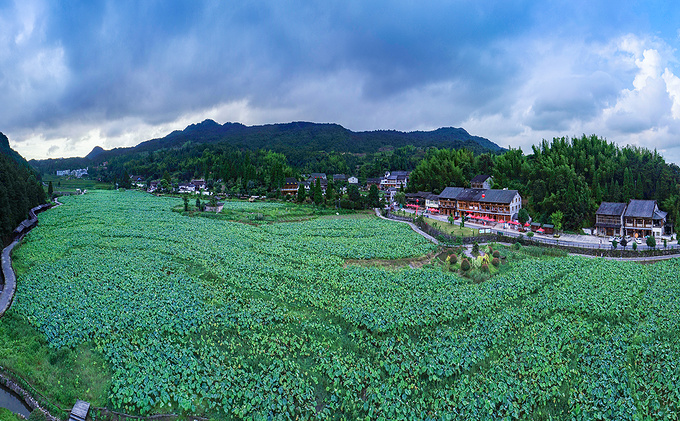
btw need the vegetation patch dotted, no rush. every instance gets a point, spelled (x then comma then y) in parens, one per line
(232, 321)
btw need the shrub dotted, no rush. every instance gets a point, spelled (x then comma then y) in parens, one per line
(496, 254)
(530, 234)
(475, 248)
(485, 268)
(465, 265)
(496, 261)
(37, 415)
(453, 259)
(517, 245)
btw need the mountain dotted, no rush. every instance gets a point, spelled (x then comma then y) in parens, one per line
(20, 189)
(295, 139)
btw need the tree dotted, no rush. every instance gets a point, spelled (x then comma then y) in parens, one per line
(373, 197)
(624, 243)
(451, 219)
(186, 202)
(50, 190)
(634, 246)
(556, 219)
(462, 222)
(523, 216)
(198, 203)
(317, 195)
(400, 198)
(302, 193)
(615, 244)
(651, 242)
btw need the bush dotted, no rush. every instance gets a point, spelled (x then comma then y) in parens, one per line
(37, 415)
(453, 259)
(517, 245)
(530, 234)
(475, 248)
(485, 268)
(496, 261)
(465, 265)
(496, 254)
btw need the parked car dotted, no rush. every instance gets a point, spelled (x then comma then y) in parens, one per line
(638, 240)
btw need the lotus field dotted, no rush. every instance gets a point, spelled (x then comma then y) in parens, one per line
(228, 320)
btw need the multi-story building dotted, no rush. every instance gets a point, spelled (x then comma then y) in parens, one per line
(396, 179)
(490, 203)
(609, 219)
(643, 218)
(290, 186)
(498, 205)
(638, 218)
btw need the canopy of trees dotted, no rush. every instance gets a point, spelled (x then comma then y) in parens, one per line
(20, 189)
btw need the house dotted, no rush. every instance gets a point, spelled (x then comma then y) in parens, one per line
(481, 182)
(493, 204)
(609, 219)
(535, 226)
(199, 184)
(548, 229)
(448, 201)
(153, 186)
(290, 186)
(391, 195)
(432, 202)
(187, 188)
(373, 181)
(353, 180)
(315, 175)
(396, 179)
(643, 218)
(339, 178)
(418, 198)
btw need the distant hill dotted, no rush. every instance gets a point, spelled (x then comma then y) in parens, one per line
(296, 140)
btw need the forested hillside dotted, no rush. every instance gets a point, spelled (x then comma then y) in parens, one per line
(571, 175)
(308, 147)
(20, 189)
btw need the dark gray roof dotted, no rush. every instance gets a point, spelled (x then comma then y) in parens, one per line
(498, 196)
(432, 197)
(478, 195)
(291, 180)
(480, 178)
(660, 215)
(450, 193)
(641, 208)
(611, 208)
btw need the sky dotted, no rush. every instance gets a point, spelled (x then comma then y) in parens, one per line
(82, 73)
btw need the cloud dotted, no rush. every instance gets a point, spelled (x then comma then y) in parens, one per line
(118, 73)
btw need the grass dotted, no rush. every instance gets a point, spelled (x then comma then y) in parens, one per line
(7, 415)
(69, 185)
(61, 375)
(452, 229)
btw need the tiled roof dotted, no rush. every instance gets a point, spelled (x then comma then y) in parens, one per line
(450, 193)
(611, 208)
(641, 208)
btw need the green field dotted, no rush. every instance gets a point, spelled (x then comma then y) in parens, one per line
(232, 320)
(69, 185)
